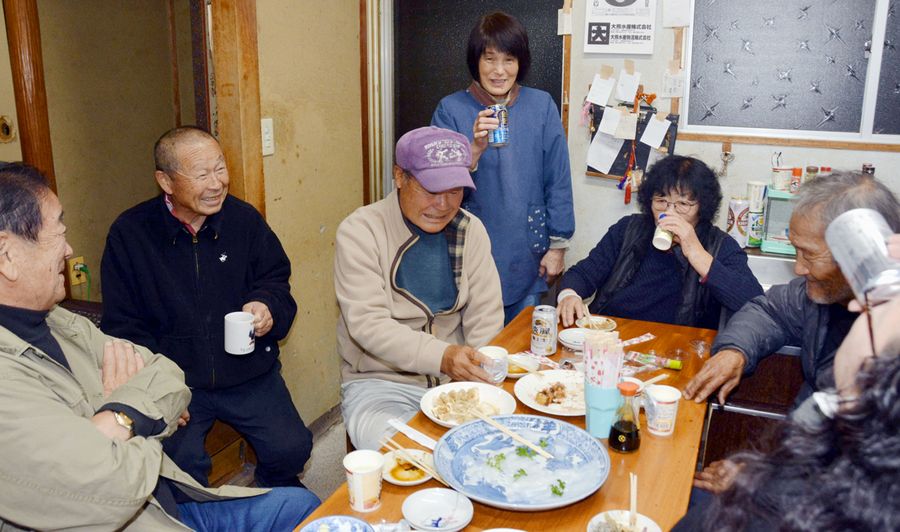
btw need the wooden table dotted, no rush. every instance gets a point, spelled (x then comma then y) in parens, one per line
(665, 466)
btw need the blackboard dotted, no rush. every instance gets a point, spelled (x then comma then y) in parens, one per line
(430, 38)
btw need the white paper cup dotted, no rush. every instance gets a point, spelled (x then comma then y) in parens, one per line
(364, 470)
(240, 337)
(661, 406)
(498, 367)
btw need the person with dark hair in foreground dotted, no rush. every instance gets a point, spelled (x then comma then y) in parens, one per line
(83, 414)
(689, 284)
(524, 194)
(837, 465)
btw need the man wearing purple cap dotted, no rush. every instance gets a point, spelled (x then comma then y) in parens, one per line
(417, 288)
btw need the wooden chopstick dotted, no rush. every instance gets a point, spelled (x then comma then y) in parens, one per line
(656, 379)
(590, 321)
(632, 512)
(396, 447)
(511, 434)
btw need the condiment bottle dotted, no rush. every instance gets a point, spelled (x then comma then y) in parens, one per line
(796, 179)
(662, 239)
(811, 173)
(625, 434)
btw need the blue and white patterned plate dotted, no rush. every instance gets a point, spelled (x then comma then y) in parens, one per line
(488, 466)
(338, 523)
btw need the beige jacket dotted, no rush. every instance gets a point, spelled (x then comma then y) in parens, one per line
(383, 331)
(59, 472)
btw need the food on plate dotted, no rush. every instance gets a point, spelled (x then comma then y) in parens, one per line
(611, 524)
(515, 368)
(553, 394)
(456, 406)
(404, 471)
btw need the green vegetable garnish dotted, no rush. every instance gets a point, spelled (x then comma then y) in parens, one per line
(525, 451)
(496, 461)
(543, 443)
(519, 474)
(558, 488)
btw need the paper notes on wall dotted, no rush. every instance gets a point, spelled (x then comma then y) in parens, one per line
(627, 126)
(564, 22)
(610, 121)
(601, 89)
(655, 132)
(603, 151)
(627, 86)
(676, 13)
(673, 83)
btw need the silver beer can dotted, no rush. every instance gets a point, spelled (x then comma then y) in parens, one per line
(500, 136)
(543, 330)
(858, 242)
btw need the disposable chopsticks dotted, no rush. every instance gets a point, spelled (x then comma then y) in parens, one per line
(391, 444)
(511, 434)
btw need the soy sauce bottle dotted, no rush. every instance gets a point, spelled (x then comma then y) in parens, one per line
(625, 435)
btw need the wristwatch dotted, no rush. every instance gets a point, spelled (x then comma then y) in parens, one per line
(124, 421)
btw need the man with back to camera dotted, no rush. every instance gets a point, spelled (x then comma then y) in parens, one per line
(173, 267)
(416, 285)
(83, 414)
(810, 311)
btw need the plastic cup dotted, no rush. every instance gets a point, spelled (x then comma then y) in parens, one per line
(497, 367)
(600, 411)
(661, 406)
(363, 470)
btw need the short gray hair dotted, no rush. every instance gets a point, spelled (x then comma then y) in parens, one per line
(164, 155)
(22, 188)
(830, 196)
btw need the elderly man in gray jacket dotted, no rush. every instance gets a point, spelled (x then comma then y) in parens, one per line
(810, 311)
(82, 414)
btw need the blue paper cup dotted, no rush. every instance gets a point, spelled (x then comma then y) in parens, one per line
(601, 408)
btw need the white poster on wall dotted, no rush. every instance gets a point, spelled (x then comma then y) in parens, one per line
(619, 26)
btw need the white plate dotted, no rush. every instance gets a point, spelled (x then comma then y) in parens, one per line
(438, 510)
(524, 361)
(527, 388)
(573, 338)
(491, 468)
(338, 523)
(644, 523)
(601, 323)
(500, 399)
(390, 461)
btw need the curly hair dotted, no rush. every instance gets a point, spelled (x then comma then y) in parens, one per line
(687, 175)
(841, 475)
(502, 32)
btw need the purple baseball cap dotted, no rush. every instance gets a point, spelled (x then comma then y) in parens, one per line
(438, 158)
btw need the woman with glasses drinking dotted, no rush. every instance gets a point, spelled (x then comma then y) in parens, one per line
(688, 284)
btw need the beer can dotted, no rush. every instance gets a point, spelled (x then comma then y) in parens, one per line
(857, 240)
(500, 136)
(543, 330)
(756, 223)
(738, 211)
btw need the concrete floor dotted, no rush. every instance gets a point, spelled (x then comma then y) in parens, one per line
(324, 472)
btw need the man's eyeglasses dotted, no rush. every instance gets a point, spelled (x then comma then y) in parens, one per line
(681, 206)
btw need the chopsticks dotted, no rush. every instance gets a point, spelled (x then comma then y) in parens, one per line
(511, 434)
(590, 319)
(656, 379)
(632, 511)
(396, 447)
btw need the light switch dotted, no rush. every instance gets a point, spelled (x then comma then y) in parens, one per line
(268, 137)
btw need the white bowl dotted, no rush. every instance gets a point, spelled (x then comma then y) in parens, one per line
(521, 360)
(438, 510)
(390, 462)
(573, 338)
(496, 396)
(644, 523)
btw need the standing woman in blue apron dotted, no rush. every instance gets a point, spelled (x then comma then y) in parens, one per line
(524, 188)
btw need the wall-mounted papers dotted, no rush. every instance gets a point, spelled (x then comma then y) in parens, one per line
(627, 126)
(603, 151)
(627, 86)
(673, 84)
(619, 26)
(609, 124)
(676, 13)
(655, 132)
(601, 89)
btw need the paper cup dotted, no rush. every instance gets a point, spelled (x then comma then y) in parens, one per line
(661, 406)
(364, 470)
(240, 337)
(498, 366)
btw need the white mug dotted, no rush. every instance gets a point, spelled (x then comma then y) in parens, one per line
(240, 335)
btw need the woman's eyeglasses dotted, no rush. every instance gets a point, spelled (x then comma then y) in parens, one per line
(681, 206)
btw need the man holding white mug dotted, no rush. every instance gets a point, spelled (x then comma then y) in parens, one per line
(173, 267)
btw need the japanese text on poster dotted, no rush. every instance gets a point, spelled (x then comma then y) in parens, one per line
(619, 26)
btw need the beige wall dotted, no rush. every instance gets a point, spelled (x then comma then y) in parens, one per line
(109, 96)
(9, 151)
(309, 85)
(598, 204)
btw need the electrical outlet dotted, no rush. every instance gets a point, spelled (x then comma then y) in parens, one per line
(75, 277)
